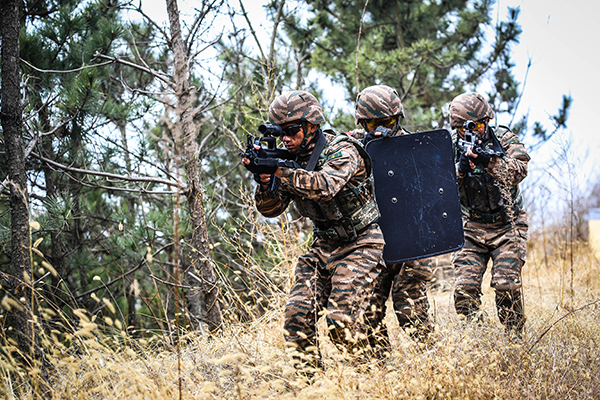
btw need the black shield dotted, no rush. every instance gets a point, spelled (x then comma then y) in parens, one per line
(417, 194)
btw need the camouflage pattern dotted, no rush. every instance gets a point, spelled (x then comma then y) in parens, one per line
(376, 102)
(495, 227)
(336, 276)
(469, 106)
(353, 208)
(481, 191)
(338, 196)
(506, 246)
(296, 105)
(407, 283)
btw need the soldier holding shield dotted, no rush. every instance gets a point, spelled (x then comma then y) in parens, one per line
(378, 111)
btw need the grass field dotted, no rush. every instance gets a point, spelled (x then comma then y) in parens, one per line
(558, 357)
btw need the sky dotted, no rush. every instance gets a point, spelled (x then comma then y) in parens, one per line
(560, 39)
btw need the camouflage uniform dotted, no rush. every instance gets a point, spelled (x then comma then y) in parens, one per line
(408, 285)
(408, 280)
(495, 223)
(342, 266)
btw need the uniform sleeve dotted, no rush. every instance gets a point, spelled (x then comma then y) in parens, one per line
(269, 203)
(342, 163)
(512, 168)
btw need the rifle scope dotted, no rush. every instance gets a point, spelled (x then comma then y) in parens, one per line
(270, 130)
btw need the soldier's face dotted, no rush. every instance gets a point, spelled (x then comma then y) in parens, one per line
(372, 124)
(479, 129)
(293, 134)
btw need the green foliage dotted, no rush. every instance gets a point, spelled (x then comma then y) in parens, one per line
(428, 51)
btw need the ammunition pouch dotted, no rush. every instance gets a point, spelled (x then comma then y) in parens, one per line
(347, 229)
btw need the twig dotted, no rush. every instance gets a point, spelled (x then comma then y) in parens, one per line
(108, 175)
(558, 320)
(358, 43)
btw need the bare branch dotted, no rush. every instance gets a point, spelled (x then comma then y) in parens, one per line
(245, 14)
(119, 278)
(107, 175)
(358, 43)
(152, 72)
(53, 71)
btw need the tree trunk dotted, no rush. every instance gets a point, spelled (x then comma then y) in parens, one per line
(19, 284)
(200, 258)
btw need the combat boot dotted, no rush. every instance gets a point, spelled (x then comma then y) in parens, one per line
(467, 302)
(510, 311)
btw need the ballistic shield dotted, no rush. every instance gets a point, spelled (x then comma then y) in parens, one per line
(417, 194)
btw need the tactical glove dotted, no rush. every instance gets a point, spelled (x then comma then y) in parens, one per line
(482, 159)
(257, 179)
(463, 164)
(258, 169)
(378, 133)
(262, 165)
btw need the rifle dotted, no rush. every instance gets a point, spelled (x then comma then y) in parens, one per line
(472, 142)
(268, 156)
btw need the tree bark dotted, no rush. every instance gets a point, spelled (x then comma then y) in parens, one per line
(200, 259)
(19, 284)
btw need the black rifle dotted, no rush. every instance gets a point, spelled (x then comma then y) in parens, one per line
(268, 156)
(472, 142)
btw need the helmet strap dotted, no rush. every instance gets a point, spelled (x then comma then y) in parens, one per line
(397, 127)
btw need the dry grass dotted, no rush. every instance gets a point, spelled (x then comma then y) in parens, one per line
(558, 357)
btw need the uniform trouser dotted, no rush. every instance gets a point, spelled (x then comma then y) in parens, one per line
(337, 278)
(506, 246)
(408, 284)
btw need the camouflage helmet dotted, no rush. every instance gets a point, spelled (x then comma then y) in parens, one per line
(295, 105)
(468, 106)
(379, 101)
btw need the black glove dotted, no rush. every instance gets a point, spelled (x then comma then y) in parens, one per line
(257, 168)
(482, 159)
(378, 133)
(257, 179)
(261, 165)
(463, 164)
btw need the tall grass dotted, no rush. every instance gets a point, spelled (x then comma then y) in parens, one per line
(558, 356)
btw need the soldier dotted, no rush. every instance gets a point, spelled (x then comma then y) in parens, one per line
(333, 187)
(495, 223)
(378, 111)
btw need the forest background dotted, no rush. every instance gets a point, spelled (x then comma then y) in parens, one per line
(126, 215)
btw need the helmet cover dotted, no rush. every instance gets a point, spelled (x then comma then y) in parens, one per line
(379, 101)
(297, 105)
(469, 106)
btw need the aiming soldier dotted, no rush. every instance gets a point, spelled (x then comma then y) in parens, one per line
(490, 165)
(332, 185)
(378, 111)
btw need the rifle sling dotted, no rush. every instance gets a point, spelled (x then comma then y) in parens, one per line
(314, 157)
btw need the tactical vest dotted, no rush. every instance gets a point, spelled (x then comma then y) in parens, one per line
(481, 197)
(351, 210)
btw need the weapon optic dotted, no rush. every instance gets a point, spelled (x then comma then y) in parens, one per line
(473, 143)
(268, 155)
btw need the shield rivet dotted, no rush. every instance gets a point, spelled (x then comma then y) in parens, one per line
(394, 200)
(390, 173)
(441, 190)
(445, 215)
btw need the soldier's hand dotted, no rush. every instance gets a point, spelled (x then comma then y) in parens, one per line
(376, 134)
(482, 159)
(465, 164)
(262, 179)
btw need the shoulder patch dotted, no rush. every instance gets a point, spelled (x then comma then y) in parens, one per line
(335, 155)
